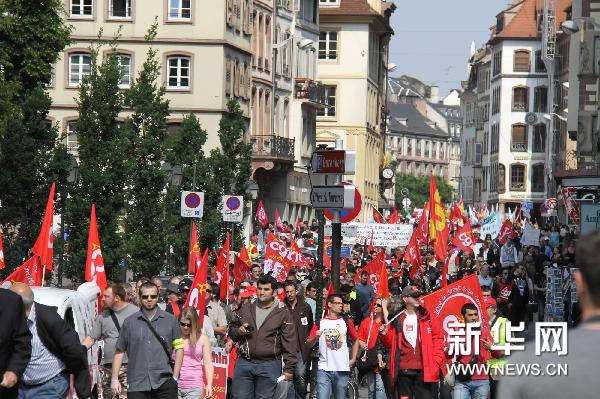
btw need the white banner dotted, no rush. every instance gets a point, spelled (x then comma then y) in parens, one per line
(384, 235)
(491, 225)
(531, 236)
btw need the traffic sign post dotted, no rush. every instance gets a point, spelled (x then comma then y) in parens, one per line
(233, 208)
(192, 204)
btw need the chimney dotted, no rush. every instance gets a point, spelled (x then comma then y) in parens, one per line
(434, 94)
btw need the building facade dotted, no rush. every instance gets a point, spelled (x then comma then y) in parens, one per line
(352, 61)
(189, 33)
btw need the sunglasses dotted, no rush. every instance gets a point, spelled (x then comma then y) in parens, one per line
(149, 296)
(209, 291)
(186, 325)
(378, 305)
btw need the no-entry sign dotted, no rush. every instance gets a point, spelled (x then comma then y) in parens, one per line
(192, 204)
(233, 208)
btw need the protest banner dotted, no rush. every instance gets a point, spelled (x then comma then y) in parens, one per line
(220, 360)
(445, 304)
(491, 225)
(279, 259)
(531, 235)
(384, 235)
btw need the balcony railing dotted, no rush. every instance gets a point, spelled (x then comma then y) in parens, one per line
(272, 147)
(310, 90)
(517, 186)
(518, 147)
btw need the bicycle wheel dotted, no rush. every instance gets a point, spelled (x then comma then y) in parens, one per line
(352, 390)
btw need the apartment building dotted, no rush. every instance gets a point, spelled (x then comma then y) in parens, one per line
(204, 48)
(352, 63)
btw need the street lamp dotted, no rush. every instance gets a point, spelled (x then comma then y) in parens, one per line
(571, 26)
(549, 116)
(253, 189)
(72, 178)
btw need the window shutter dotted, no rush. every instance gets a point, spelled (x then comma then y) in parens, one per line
(229, 17)
(522, 61)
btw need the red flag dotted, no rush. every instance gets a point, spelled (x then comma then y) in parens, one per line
(438, 231)
(194, 256)
(298, 224)
(377, 275)
(371, 247)
(29, 273)
(222, 270)
(278, 223)
(197, 295)
(455, 214)
(423, 225)
(43, 247)
(279, 259)
(412, 255)
(394, 217)
(94, 264)
(506, 231)
(241, 266)
(464, 238)
(1, 252)
(302, 261)
(378, 217)
(261, 214)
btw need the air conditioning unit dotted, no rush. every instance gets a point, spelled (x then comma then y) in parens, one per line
(478, 153)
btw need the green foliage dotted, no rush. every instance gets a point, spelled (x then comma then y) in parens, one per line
(103, 165)
(146, 127)
(418, 187)
(32, 35)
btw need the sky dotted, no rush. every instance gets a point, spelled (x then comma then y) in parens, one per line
(432, 38)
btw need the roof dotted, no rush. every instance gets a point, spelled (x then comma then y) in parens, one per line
(415, 122)
(349, 7)
(524, 23)
(406, 86)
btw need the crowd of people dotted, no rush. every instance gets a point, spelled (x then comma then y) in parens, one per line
(155, 347)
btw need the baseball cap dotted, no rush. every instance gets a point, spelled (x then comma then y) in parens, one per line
(487, 302)
(185, 284)
(411, 290)
(174, 288)
(248, 292)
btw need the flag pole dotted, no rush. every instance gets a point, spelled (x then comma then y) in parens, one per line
(43, 274)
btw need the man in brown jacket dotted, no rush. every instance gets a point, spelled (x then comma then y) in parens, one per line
(265, 333)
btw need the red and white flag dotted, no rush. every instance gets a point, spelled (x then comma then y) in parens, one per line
(278, 223)
(94, 264)
(378, 217)
(222, 270)
(43, 247)
(464, 239)
(394, 217)
(195, 256)
(506, 231)
(197, 295)
(261, 214)
(29, 273)
(241, 267)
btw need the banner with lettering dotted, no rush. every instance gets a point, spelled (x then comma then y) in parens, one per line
(491, 225)
(220, 360)
(279, 259)
(384, 235)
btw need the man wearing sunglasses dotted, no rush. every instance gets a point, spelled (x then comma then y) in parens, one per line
(149, 337)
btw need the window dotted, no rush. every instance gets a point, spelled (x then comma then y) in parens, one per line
(409, 147)
(329, 110)
(419, 149)
(497, 67)
(427, 149)
(328, 2)
(520, 99)
(328, 45)
(537, 177)
(72, 141)
(80, 65)
(179, 72)
(519, 138)
(434, 150)
(501, 179)
(124, 62)
(180, 10)
(82, 8)
(517, 177)
(540, 99)
(521, 61)
(50, 80)
(120, 9)
(539, 63)
(495, 138)
(495, 100)
(539, 138)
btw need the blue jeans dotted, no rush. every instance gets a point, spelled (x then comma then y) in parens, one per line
(255, 380)
(297, 387)
(474, 389)
(328, 381)
(55, 388)
(375, 386)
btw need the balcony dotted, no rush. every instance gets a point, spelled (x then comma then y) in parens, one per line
(518, 147)
(272, 148)
(310, 90)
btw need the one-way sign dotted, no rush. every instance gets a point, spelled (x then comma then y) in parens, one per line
(332, 197)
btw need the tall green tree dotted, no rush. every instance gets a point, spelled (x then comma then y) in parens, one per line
(103, 164)
(418, 187)
(32, 35)
(144, 238)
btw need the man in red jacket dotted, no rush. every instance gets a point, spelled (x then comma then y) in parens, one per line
(416, 345)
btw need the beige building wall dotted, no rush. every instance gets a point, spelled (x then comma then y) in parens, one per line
(213, 35)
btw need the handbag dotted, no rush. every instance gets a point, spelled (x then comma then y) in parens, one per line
(367, 361)
(162, 343)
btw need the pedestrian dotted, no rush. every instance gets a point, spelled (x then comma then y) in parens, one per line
(334, 356)
(107, 327)
(216, 313)
(15, 343)
(365, 293)
(499, 333)
(175, 306)
(303, 323)
(149, 337)
(197, 358)
(264, 331)
(503, 292)
(311, 297)
(519, 296)
(55, 353)
(581, 356)
(416, 349)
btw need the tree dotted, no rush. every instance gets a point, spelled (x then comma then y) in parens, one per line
(33, 35)
(146, 128)
(418, 187)
(103, 164)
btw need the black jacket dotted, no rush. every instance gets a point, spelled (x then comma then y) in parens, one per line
(303, 321)
(15, 338)
(63, 342)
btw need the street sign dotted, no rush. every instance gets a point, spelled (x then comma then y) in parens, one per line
(590, 218)
(347, 216)
(332, 197)
(551, 203)
(406, 203)
(334, 162)
(348, 230)
(192, 204)
(404, 192)
(233, 208)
